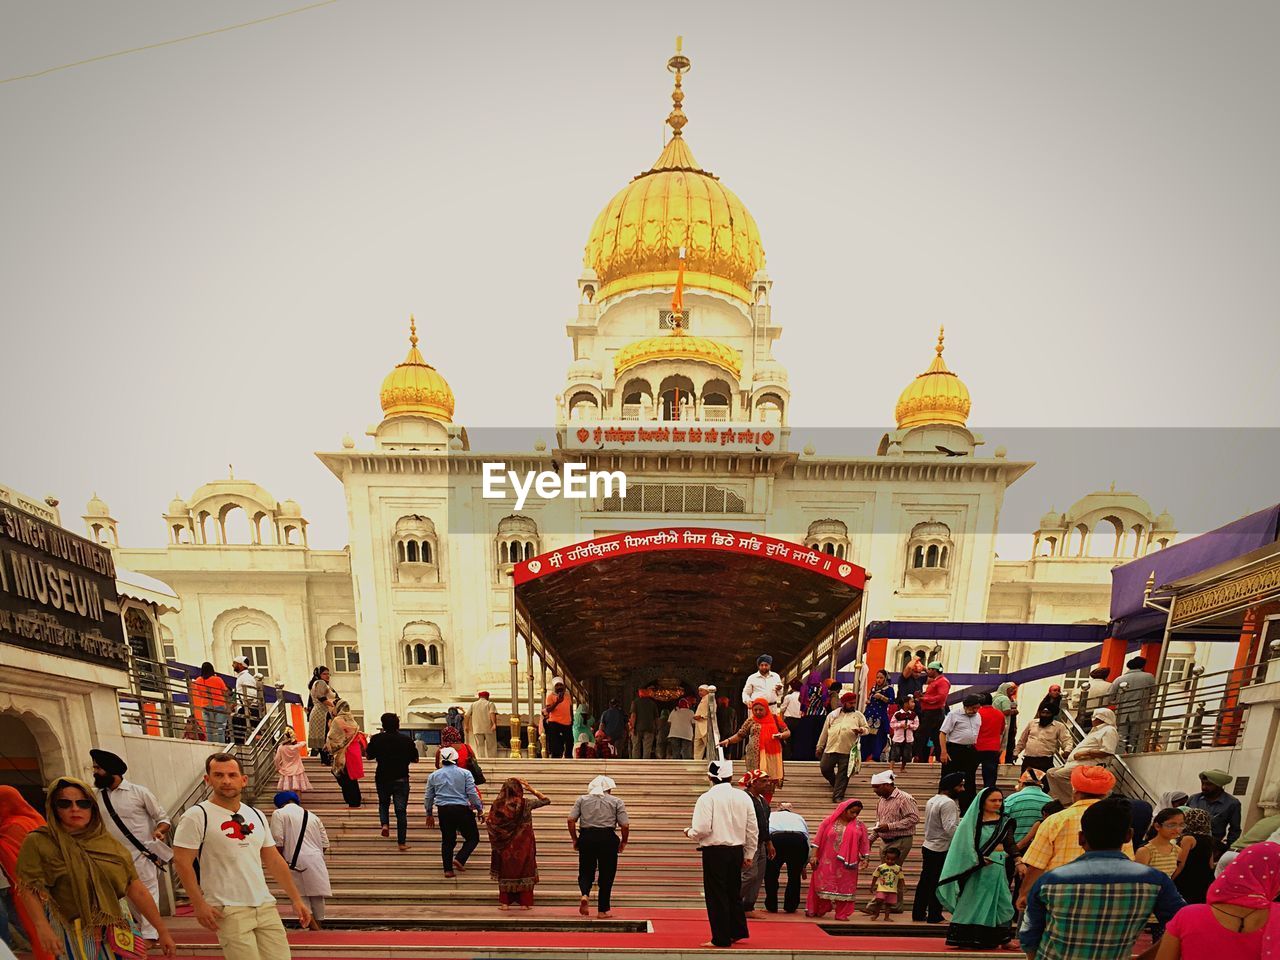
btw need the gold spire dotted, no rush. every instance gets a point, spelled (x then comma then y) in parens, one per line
(677, 298)
(935, 396)
(679, 65)
(414, 387)
(675, 203)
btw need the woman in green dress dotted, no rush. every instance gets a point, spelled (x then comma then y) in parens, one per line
(977, 874)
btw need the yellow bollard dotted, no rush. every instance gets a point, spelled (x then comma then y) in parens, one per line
(515, 737)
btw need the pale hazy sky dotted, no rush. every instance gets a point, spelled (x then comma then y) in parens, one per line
(209, 251)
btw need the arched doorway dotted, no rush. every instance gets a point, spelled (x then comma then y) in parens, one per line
(23, 760)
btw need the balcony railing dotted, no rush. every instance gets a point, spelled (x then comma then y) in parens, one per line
(158, 702)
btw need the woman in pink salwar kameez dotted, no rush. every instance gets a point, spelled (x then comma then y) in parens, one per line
(841, 845)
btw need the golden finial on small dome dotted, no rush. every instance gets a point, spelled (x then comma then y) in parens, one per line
(942, 331)
(679, 65)
(413, 331)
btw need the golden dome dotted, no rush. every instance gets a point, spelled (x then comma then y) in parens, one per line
(675, 204)
(935, 396)
(415, 388)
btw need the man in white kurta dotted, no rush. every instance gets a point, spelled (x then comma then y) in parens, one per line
(482, 725)
(763, 683)
(305, 859)
(142, 816)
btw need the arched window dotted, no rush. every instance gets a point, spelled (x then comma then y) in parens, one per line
(424, 652)
(517, 540)
(411, 548)
(426, 552)
(416, 547)
(928, 556)
(828, 536)
(433, 655)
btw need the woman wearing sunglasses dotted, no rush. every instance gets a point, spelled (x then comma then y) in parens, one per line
(76, 882)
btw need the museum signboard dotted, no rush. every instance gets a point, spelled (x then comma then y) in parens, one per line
(58, 592)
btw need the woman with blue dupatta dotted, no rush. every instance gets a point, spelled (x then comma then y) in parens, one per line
(977, 874)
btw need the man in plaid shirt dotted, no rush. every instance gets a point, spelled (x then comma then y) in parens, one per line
(1094, 907)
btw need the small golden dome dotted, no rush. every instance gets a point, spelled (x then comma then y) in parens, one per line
(415, 388)
(935, 396)
(678, 345)
(675, 204)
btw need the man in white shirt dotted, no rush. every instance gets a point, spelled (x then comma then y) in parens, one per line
(958, 737)
(789, 835)
(763, 683)
(482, 725)
(941, 817)
(680, 738)
(234, 845)
(133, 816)
(248, 699)
(724, 826)
(704, 723)
(1095, 749)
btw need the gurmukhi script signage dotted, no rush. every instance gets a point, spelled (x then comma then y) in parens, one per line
(673, 435)
(57, 592)
(691, 538)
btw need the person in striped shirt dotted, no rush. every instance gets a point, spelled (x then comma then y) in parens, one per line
(1094, 907)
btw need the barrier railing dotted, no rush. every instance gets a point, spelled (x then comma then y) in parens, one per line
(1129, 784)
(159, 701)
(1193, 712)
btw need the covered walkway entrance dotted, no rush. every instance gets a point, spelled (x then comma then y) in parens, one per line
(677, 606)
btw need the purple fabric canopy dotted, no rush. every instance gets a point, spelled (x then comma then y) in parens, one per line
(1130, 619)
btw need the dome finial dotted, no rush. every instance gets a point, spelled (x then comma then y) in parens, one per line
(413, 331)
(941, 336)
(679, 65)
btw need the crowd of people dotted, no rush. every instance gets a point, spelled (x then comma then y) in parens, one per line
(1058, 864)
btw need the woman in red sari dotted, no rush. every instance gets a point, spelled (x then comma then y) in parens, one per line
(764, 732)
(17, 819)
(513, 862)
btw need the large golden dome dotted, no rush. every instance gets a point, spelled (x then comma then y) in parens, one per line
(935, 396)
(635, 239)
(415, 388)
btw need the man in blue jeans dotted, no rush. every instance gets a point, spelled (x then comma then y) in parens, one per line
(453, 789)
(393, 752)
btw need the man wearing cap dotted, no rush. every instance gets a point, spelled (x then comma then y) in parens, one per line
(725, 828)
(1096, 748)
(133, 816)
(1222, 807)
(897, 814)
(481, 725)
(248, 698)
(453, 789)
(1131, 694)
(958, 739)
(1057, 841)
(941, 817)
(593, 822)
(841, 735)
(933, 708)
(763, 683)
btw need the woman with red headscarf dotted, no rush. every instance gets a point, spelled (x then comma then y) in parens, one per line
(17, 819)
(1239, 919)
(764, 732)
(513, 862)
(840, 846)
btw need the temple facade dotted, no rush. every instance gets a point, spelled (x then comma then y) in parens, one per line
(673, 382)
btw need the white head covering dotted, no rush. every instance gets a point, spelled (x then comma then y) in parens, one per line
(884, 776)
(555, 680)
(1105, 714)
(448, 755)
(600, 785)
(720, 769)
(240, 660)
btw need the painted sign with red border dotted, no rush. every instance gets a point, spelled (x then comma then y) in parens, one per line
(690, 538)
